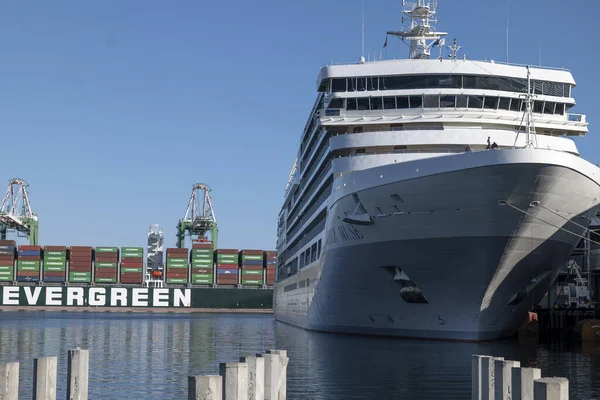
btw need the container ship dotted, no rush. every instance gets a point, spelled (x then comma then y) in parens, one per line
(432, 198)
(201, 277)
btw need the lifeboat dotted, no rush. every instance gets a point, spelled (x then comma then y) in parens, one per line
(156, 273)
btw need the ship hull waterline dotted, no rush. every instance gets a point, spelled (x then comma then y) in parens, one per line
(481, 235)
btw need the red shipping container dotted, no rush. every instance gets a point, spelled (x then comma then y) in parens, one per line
(252, 252)
(107, 258)
(252, 267)
(55, 248)
(227, 251)
(132, 264)
(28, 273)
(132, 259)
(202, 271)
(6, 263)
(28, 247)
(7, 258)
(203, 246)
(75, 258)
(7, 242)
(29, 258)
(53, 273)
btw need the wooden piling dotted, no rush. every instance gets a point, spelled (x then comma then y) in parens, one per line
(44, 378)
(207, 387)
(9, 381)
(77, 374)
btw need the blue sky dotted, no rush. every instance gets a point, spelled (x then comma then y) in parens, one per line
(112, 109)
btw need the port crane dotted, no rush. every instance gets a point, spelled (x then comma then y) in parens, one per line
(16, 214)
(199, 219)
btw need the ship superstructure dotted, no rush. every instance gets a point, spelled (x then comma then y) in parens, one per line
(428, 194)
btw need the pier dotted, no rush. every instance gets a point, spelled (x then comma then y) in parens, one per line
(258, 377)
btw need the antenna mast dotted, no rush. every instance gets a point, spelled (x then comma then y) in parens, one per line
(421, 31)
(530, 129)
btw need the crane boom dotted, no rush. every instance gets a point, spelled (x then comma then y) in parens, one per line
(16, 214)
(199, 218)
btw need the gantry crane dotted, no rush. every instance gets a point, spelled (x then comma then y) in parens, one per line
(199, 219)
(15, 212)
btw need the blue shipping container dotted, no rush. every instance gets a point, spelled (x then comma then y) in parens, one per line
(252, 262)
(29, 253)
(54, 278)
(28, 279)
(221, 271)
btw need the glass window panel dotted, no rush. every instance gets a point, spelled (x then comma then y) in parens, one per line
(351, 84)
(538, 107)
(560, 109)
(448, 101)
(462, 101)
(490, 102)
(376, 103)
(361, 84)
(338, 85)
(389, 103)
(351, 104)
(512, 84)
(549, 107)
(416, 102)
(470, 82)
(476, 102)
(515, 104)
(504, 103)
(363, 103)
(538, 87)
(431, 101)
(336, 103)
(488, 82)
(373, 83)
(402, 102)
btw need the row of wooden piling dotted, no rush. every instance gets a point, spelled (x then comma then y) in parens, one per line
(259, 377)
(494, 378)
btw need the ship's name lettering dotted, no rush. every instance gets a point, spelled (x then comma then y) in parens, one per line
(343, 233)
(94, 296)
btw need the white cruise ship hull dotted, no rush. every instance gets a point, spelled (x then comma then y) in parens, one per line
(479, 263)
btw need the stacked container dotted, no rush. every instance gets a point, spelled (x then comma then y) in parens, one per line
(106, 264)
(177, 266)
(202, 260)
(251, 262)
(55, 263)
(7, 260)
(132, 264)
(28, 263)
(270, 266)
(227, 267)
(80, 264)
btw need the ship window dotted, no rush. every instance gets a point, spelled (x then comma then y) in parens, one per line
(402, 102)
(376, 103)
(504, 103)
(490, 102)
(389, 103)
(351, 84)
(549, 107)
(351, 104)
(373, 83)
(470, 82)
(476, 102)
(488, 82)
(448, 101)
(302, 260)
(515, 104)
(361, 84)
(338, 85)
(336, 103)
(538, 107)
(560, 109)
(363, 103)
(361, 151)
(319, 249)
(416, 102)
(313, 253)
(307, 256)
(512, 84)
(537, 87)
(431, 101)
(462, 101)
(357, 129)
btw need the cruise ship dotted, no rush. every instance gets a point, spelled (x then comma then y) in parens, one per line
(432, 197)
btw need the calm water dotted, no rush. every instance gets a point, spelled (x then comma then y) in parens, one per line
(150, 356)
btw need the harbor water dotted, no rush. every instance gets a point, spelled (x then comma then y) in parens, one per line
(150, 356)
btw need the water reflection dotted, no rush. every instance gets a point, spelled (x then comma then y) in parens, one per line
(159, 352)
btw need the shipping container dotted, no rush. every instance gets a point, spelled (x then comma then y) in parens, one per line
(28, 263)
(132, 265)
(80, 264)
